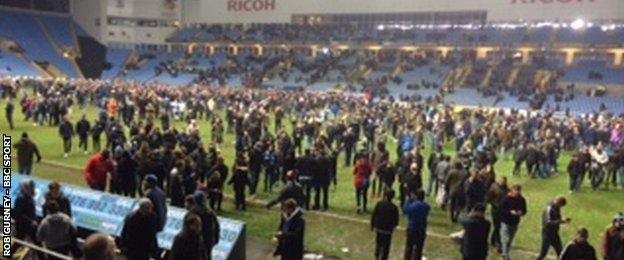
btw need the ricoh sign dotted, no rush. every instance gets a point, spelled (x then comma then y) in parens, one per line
(250, 5)
(551, 1)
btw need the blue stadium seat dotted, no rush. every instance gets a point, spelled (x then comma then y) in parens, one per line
(32, 39)
(14, 65)
(60, 30)
(117, 59)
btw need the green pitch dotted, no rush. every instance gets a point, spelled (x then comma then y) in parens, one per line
(342, 232)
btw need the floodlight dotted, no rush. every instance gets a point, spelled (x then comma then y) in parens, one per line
(577, 24)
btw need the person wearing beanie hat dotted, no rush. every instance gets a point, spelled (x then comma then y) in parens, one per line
(474, 245)
(24, 211)
(26, 149)
(158, 198)
(210, 224)
(199, 197)
(613, 239)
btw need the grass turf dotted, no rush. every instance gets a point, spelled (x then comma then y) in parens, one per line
(590, 209)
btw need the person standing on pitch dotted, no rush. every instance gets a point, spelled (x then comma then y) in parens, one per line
(83, 127)
(25, 151)
(613, 240)
(474, 246)
(417, 211)
(579, 248)
(495, 196)
(512, 209)
(551, 219)
(157, 197)
(291, 232)
(384, 220)
(66, 131)
(9, 112)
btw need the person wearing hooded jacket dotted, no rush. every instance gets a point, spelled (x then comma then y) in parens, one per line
(189, 243)
(290, 232)
(384, 220)
(579, 248)
(474, 245)
(57, 230)
(613, 240)
(24, 211)
(292, 190)
(138, 236)
(210, 225)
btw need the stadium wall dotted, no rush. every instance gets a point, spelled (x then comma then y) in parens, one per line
(281, 11)
(128, 21)
(90, 14)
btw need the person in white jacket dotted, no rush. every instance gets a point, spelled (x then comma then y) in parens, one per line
(599, 162)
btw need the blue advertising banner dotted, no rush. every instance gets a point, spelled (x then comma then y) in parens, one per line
(105, 213)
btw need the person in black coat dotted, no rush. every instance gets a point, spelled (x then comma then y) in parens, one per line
(9, 112)
(176, 189)
(388, 175)
(66, 131)
(256, 158)
(138, 236)
(189, 244)
(322, 179)
(349, 140)
(82, 129)
(495, 195)
(551, 221)
(290, 232)
(24, 212)
(210, 224)
(475, 191)
(240, 180)
(519, 158)
(55, 194)
(127, 169)
(96, 133)
(292, 190)
(156, 166)
(532, 160)
(474, 245)
(158, 198)
(579, 248)
(304, 168)
(384, 220)
(575, 171)
(223, 172)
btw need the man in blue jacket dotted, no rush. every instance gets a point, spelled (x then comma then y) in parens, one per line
(417, 211)
(157, 197)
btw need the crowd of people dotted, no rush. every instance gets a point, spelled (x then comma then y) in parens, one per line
(294, 140)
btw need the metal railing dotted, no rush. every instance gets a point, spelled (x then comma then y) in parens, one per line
(41, 249)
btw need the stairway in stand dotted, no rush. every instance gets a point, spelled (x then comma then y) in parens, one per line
(67, 54)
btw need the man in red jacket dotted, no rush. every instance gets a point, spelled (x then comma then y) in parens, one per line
(98, 170)
(362, 172)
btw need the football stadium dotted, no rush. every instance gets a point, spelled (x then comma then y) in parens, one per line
(311, 129)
